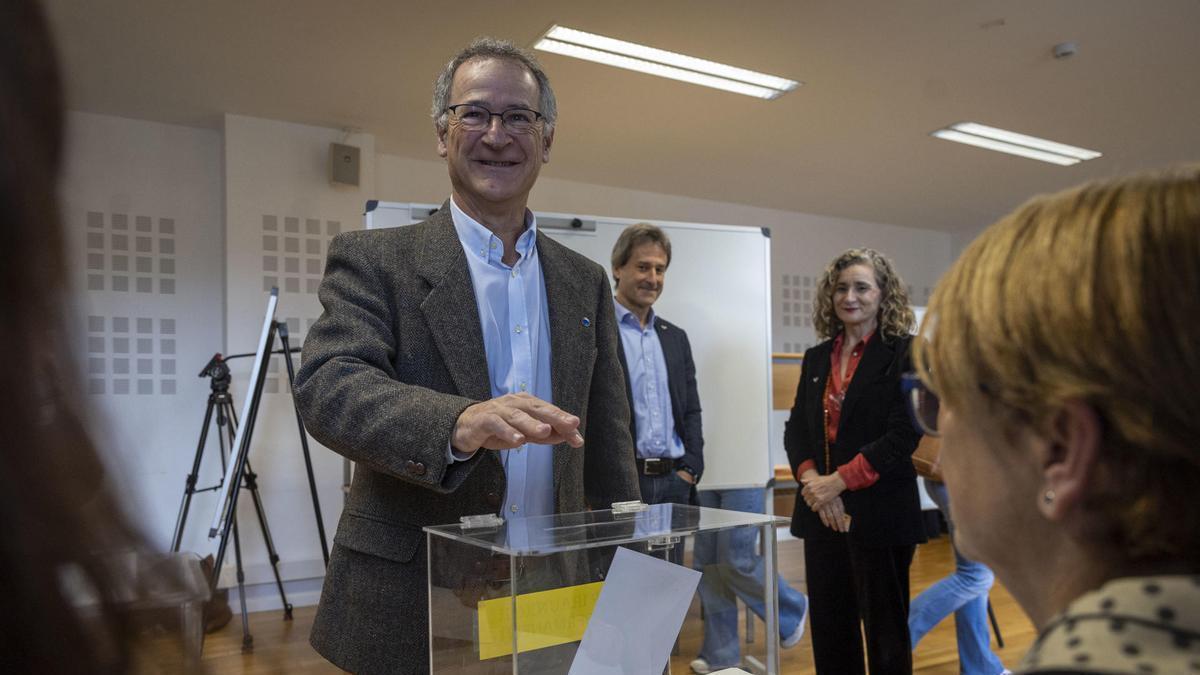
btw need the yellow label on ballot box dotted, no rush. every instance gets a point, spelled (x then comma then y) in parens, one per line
(544, 619)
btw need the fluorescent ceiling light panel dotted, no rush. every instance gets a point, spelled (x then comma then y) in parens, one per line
(1027, 141)
(631, 56)
(1000, 140)
(610, 59)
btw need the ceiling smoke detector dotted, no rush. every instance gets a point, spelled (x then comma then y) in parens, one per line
(1065, 50)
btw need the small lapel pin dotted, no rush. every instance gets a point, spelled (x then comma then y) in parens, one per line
(817, 377)
(586, 322)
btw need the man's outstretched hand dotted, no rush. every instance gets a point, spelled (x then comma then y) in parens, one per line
(512, 420)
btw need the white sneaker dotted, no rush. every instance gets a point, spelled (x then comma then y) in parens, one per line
(793, 639)
(700, 666)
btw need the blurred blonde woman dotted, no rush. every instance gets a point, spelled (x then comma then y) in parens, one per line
(1065, 351)
(850, 441)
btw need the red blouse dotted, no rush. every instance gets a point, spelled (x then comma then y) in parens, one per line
(857, 473)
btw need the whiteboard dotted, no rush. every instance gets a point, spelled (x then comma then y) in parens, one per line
(718, 289)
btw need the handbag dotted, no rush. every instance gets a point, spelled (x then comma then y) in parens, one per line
(927, 458)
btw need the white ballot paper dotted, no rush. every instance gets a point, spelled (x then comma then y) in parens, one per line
(637, 616)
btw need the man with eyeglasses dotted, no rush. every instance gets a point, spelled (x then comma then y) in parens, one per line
(468, 365)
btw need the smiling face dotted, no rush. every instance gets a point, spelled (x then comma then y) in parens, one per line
(640, 279)
(856, 297)
(492, 170)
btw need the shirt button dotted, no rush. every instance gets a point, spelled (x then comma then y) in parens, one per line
(493, 246)
(513, 508)
(517, 329)
(514, 273)
(523, 387)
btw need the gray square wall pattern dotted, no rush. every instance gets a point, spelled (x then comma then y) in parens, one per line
(293, 260)
(130, 254)
(133, 257)
(796, 296)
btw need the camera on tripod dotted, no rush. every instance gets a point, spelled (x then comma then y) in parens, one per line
(217, 369)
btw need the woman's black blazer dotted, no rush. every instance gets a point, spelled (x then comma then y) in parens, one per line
(875, 422)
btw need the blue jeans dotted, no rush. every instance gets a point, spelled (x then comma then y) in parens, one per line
(965, 594)
(733, 569)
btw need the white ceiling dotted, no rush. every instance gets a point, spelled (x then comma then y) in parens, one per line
(852, 142)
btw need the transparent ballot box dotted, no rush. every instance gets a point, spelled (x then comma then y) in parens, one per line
(613, 591)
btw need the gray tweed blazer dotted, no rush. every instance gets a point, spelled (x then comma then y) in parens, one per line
(397, 355)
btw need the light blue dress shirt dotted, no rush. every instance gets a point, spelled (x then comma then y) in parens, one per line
(516, 339)
(656, 436)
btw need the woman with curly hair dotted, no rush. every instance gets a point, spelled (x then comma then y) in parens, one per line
(1063, 348)
(850, 441)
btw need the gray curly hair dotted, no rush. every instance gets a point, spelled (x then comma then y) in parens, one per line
(492, 48)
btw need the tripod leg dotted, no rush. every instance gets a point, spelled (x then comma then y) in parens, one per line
(233, 420)
(251, 484)
(189, 484)
(247, 638)
(230, 517)
(312, 481)
(225, 422)
(227, 431)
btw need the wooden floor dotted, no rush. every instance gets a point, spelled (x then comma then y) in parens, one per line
(282, 646)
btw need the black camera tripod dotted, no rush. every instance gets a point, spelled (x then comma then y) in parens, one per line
(220, 401)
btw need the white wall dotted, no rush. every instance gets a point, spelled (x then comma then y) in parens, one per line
(964, 239)
(224, 212)
(200, 202)
(281, 212)
(142, 209)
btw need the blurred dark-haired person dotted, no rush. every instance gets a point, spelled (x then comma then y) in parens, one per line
(1059, 363)
(850, 441)
(65, 587)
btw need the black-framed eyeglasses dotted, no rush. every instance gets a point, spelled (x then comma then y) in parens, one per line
(923, 404)
(477, 118)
